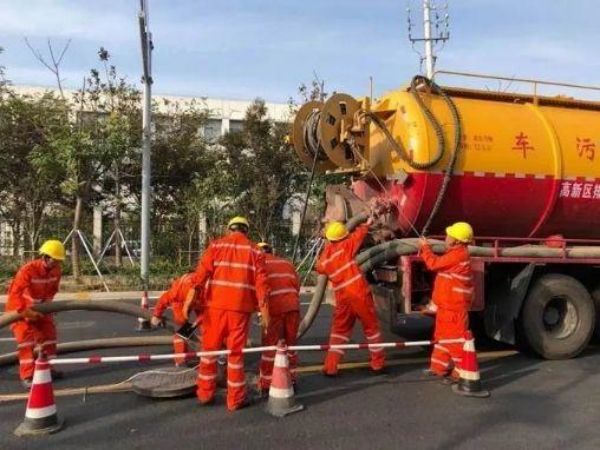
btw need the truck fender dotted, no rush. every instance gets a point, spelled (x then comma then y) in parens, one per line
(504, 305)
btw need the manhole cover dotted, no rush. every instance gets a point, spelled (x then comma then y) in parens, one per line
(169, 382)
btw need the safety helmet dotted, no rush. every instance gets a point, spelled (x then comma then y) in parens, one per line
(238, 220)
(54, 249)
(265, 247)
(335, 231)
(461, 231)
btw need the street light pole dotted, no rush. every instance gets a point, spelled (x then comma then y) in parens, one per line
(146, 42)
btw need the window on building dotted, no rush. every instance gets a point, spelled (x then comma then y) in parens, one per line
(211, 130)
(235, 126)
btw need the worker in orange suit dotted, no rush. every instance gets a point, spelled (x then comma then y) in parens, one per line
(35, 283)
(237, 286)
(284, 312)
(352, 294)
(175, 298)
(451, 298)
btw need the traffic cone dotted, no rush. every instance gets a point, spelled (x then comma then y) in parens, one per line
(40, 415)
(469, 384)
(281, 393)
(144, 324)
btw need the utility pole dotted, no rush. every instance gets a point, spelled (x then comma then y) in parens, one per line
(429, 56)
(147, 46)
(435, 31)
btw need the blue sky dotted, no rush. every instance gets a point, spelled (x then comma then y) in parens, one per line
(249, 48)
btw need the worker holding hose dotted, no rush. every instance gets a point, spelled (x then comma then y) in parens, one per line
(352, 294)
(36, 282)
(237, 285)
(284, 312)
(175, 298)
(451, 298)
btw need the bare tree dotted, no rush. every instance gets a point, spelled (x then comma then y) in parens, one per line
(53, 65)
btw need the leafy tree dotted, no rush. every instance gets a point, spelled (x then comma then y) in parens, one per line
(28, 179)
(262, 173)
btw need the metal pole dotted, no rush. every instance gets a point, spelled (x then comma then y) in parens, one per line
(429, 56)
(146, 41)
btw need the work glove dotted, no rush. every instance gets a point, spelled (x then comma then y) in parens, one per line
(156, 322)
(30, 315)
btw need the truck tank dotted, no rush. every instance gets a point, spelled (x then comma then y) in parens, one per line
(510, 164)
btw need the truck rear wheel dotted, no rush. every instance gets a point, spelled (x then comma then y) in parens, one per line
(596, 299)
(558, 317)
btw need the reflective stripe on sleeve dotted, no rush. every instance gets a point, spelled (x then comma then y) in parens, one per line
(341, 269)
(333, 256)
(234, 246)
(282, 275)
(462, 277)
(235, 265)
(347, 282)
(283, 291)
(231, 284)
(44, 280)
(463, 290)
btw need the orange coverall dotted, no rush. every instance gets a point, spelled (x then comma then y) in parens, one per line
(33, 284)
(353, 299)
(284, 310)
(175, 298)
(237, 285)
(452, 294)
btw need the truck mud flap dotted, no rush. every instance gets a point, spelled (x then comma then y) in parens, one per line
(504, 304)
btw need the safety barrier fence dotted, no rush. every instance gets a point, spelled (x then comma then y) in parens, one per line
(189, 355)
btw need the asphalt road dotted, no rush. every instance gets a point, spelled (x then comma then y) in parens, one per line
(534, 404)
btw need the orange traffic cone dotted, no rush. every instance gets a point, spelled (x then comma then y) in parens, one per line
(40, 416)
(281, 393)
(469, 383)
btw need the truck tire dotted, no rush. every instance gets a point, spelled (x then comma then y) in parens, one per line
(596, 298)
(558, 317)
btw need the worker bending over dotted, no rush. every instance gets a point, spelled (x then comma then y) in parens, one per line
(284, 312)
(175, 298)
(36, 282)
(353, 298)
(237, 285)
(452, 296)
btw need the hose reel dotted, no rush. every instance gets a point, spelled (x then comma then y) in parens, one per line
(323, 129)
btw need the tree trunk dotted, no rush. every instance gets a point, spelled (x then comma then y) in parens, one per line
(118, 253)
(75, 238)
(16, 237)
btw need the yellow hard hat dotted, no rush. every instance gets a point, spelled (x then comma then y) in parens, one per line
(461, 231)
(54, 249)
(335, 231)
(238, 220)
